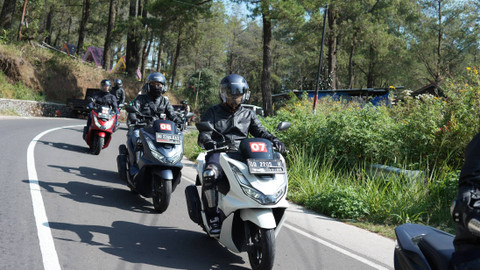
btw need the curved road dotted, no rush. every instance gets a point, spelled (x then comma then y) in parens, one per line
(62, 208)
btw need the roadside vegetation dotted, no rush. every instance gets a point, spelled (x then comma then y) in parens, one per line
(332, 153)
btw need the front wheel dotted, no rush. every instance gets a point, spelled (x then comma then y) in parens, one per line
(162, 190)
(262, 250)
(98, 143)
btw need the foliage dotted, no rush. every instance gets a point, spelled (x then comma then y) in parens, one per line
(204, 93)
(191, 147)
(17, 90)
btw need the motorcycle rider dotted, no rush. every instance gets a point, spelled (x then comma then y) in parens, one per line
(101, 98)
(151, 103)
(118, 92)
(466, 210)
(235, 123)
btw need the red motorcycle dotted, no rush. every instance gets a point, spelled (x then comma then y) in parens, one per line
(101, 128)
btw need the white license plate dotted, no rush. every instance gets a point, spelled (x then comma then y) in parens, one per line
(265, 166)
(168, 138)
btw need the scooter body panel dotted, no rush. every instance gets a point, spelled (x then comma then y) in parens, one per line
(422, 247)
(102, 125)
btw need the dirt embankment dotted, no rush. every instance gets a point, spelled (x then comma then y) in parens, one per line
(56, 75)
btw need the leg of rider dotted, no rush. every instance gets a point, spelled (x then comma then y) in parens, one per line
(134, 137)
(85, 129)
(211, 176)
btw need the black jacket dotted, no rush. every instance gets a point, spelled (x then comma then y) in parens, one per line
(470, 173)
(119, 93)
(147, 105)
(235, 126)
(103, 99)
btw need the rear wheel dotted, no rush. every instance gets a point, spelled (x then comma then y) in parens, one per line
(262, 251)
(98, 143)
(161, 192)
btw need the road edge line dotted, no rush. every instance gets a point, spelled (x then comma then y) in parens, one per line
(47, 246)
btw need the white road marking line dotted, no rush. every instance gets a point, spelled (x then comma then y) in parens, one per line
(47, 247)
(323, 242)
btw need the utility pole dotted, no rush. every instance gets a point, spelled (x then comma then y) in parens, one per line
(320, 61)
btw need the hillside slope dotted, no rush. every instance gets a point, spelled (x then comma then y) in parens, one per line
(56, 76)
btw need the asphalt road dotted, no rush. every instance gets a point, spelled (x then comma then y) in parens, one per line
(63, 208)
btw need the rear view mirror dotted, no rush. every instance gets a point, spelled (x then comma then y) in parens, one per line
(284, 125)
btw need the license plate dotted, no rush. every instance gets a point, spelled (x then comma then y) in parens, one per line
(265, 166)
(168, 138)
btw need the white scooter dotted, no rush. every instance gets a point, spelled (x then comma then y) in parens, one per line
(251, 200)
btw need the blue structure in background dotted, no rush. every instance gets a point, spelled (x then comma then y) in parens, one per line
(375, 96)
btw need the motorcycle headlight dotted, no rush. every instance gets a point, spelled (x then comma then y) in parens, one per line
(107, 125)
(175, 158)
(255, 194)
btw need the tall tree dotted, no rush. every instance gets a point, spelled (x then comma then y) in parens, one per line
(107, 54)
(134, 36)
(83, 25)
(8, 11)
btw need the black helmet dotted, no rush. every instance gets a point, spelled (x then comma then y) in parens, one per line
(234, 85)
(117, 83)
(184, 102)
(156, 90)
(104, 84)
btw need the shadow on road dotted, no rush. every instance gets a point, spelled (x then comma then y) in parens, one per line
(66, 146)
(159, 246)
(99, 195)
(91, 173)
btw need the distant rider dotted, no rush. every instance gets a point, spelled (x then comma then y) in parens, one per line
(235, 123)
(118, 92)
(101, 98)
(466, 212)
(151, 103)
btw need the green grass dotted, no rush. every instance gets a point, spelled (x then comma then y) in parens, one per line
(17, 90)
(370, 201)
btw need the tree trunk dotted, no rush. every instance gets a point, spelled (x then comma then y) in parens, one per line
(133, 41)
(145, 52)
(107, 55)
(439, 48)
(351, 62)
(48, 25)
(332, 46)
(83, 25)
(267, 58)
(159, 57)
(6, 16)
(177, 55)
(371, 74)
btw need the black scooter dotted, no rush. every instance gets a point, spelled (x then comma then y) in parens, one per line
(152, 166)
(422, 247)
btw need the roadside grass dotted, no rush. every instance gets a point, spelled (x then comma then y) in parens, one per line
(354, 194)
(192, 149)
(377, 202)
(17, 90)
(9, 112)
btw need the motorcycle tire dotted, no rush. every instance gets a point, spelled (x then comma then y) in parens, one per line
(161, 193)
(98, 143)
(122, 167)
(262, 251)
